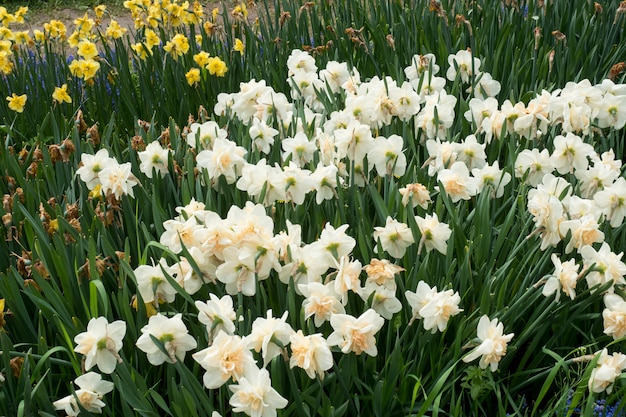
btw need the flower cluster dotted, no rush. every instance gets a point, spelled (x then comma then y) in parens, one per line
(346, 297)
(103, 173)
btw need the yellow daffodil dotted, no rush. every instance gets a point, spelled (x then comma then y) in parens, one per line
(53, 226)
(23, 37)
(175, 14)
(240, 11)
(87, 49)
(193, 76)
(17, 103)
(19, 14)
(139, 23)
(150, 310)
(96, 193)
(239, 46)
(132, 5)
(6, 34)
(198, 12)
(60, 94)
(76, 68)
(152, 39)
(99, 10)
(115, 31)
(216, 67)
(177, 46)
(84, 68)
(84, 24)
(74, 39)
(39, 35)
(55, 29)
(90, 67)
(141, 50)
(5, 17)
(5, 46)
(2, 321)
(6, 65)
(155, 15)
(201, 58)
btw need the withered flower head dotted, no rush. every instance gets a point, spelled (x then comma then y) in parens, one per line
(284, 16)
(137, 143)
(16, 366)
(55, 153)
(71, 211)
(616, 70)
(93, 135)
(80, 122)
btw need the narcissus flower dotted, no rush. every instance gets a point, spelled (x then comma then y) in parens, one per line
(114, 30)
(239, 46)
(354, 334)
(439, 309)
(394, 237)
(564, 278)
(435, 308)
(118, 180)
(193, 76)
(614, 316)
(217, 314)
(177, 46)
(87, 49)
(202, 58)
(607, 370)
(532, 165)
(91, 165)
(347, 278)
(570, 153)
(60, 94)
(101, 343)
(92, 390)
(173, 335)
(255, 396)
(224, 159)
(383, 299)
(382, 272)
(387, 156)
(55, 29)
(6, 64)
(310, 353)
(154, 158)
(216, 66)
(228, 357)
(435, 234)
(17, 103)
(321, 301)
(84, 68)
(334, 243)
(141, 49)
(269, 335)
(457, 182)
(463, 64)
(493, 343)
(204, 135)
(416, 194)
(607, 266)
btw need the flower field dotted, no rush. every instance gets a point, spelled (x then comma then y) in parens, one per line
(336, 208)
